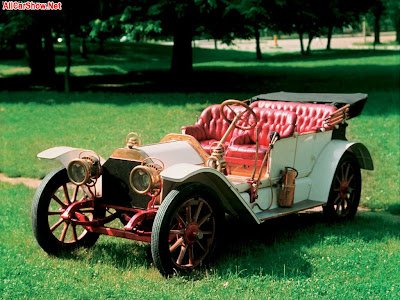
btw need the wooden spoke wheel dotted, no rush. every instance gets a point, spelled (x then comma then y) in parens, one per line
(185, 229)
(344, 195)
(53, 233)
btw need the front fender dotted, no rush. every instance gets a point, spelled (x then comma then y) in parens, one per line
(325, 167)
(230, 197)
(64, 154)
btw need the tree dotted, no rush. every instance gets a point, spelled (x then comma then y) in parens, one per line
(256, 18)
(41, 55)
(222, 23)
(377, 8)
(179, 19)
(393, 7)
(339, 13)
(302, 18)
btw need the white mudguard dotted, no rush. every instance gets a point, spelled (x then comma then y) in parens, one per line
(66, 154)
(324, 168)
(231, 199)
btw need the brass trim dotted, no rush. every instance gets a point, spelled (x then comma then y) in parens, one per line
(154, 179)
(129, 154)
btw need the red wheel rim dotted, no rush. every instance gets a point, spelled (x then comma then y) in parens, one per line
(192, 233)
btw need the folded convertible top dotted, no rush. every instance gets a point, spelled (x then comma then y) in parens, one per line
(356, 101)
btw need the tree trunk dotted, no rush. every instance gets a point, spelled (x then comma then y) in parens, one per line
(398, 35)
(301, 43)
(34, 50)
(41, 56)
(48, 52)
(83, 48)
(257, 36)
(101, 45)
(397, 27)
(310, 38)
(329, 37)
(68, 68)
(377, 28)
(215, 44)
(182, 50)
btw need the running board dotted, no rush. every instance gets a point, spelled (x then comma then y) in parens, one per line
(281, 211)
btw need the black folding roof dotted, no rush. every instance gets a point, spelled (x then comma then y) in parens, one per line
(356, 100)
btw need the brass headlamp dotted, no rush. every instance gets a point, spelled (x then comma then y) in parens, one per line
(84, 170)
(146, 178)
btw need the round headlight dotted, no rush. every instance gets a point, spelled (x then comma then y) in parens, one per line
(144, 179)
(81, 170)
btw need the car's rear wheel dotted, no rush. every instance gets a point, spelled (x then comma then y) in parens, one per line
(344, 195)
(53, 233)
(185, 229)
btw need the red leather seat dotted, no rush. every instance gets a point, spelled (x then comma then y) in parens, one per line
(211, 127)
(243, 146)
(310, 116)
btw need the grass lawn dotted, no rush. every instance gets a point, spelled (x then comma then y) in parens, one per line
(303, 257)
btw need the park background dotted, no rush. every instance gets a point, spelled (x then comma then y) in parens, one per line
(87, 75)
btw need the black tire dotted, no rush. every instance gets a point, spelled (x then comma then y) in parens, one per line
(344, 195)
(185, 229)
(51, 232)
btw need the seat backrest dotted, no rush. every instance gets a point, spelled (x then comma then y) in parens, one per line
(309, 115)
(214, 124)
(270, 120)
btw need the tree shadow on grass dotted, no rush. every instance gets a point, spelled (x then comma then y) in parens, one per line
(223, 70)
(234, 73)
(277, 247)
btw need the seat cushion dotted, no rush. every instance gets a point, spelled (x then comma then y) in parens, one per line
(247, 152)
(206, 145)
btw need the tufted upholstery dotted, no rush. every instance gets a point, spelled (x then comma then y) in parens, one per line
(244, 146)
(241, 144)
(310, 117)
(211, 127)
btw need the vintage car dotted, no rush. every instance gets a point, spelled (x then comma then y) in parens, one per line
(270, 156)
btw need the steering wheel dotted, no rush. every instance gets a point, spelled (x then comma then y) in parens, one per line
(228, 104)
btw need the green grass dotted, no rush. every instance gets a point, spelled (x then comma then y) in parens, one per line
(303, 257)
(299, 256)
(34, 121)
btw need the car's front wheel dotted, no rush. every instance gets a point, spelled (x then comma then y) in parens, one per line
(185, 229)
(53, 233)
(344, 195)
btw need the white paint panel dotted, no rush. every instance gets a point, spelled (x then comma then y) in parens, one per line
(309, 147)
(302, 189)
(303, 157)
(264, 199)
(282, 155)
(172, 153)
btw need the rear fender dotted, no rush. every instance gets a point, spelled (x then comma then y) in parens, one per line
(230, 198)
(325, 167)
